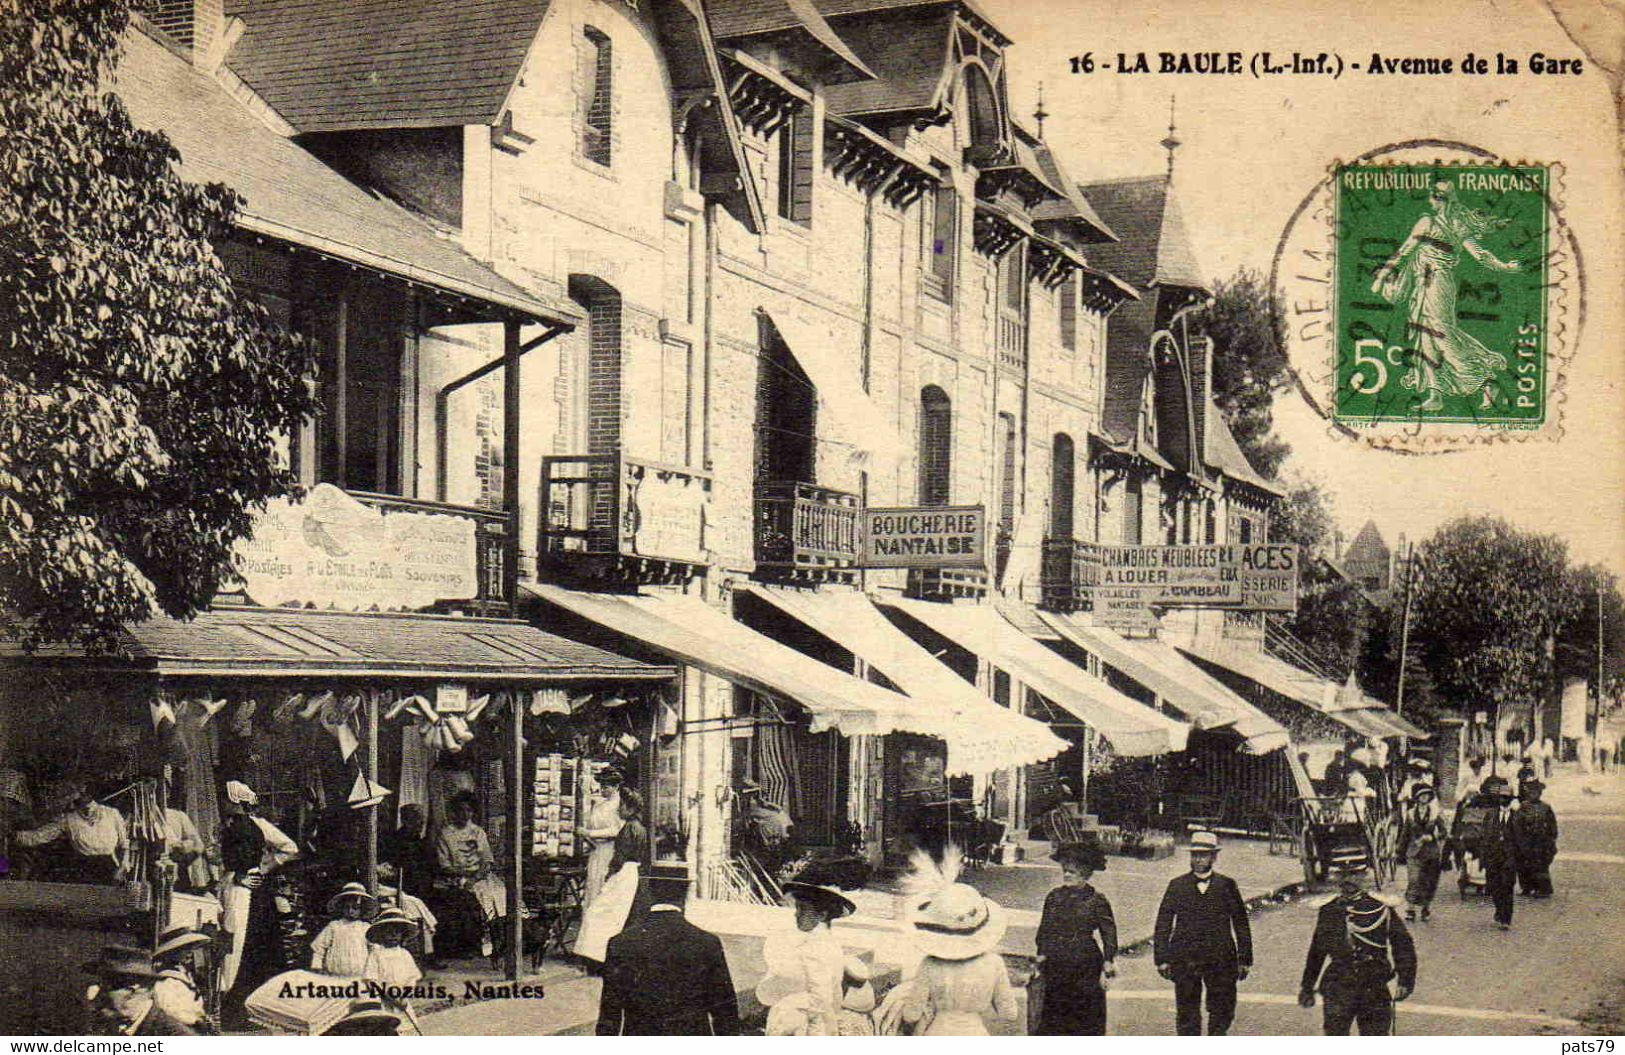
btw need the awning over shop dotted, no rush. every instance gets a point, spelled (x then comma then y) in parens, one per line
(981, 735)
(1186, 687)
(1132, 728)
(1371, 719)
(293, 642)
(697, 635)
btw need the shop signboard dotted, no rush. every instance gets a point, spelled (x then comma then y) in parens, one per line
(924, 537)
(451, 698)
(1123, 610)
(1261, 577)
(665, 513)
(333, 551)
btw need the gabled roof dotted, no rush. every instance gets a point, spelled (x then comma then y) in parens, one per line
(733, 19)
(909, 57)
(291, 196)
(1153, 248)
(1072, 208)
(333, 65)
(1367, 545)
(1225, 454)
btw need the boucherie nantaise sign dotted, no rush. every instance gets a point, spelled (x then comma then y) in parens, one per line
(924, 537)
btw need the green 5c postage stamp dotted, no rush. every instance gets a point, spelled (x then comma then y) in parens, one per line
(1440, 301)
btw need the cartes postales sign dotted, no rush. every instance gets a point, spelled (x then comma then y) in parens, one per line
(334, 552)
(924, 537)
(1440, 312)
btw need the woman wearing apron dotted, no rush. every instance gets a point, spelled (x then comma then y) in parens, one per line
(603, 825)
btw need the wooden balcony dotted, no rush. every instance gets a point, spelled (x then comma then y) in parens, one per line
(491, 534)
(805, 532)
(1066, 573)
(612, 517)
(1012, 341)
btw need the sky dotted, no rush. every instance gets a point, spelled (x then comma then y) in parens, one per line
(1253, 148)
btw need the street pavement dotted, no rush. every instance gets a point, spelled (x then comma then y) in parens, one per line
(1560, 970)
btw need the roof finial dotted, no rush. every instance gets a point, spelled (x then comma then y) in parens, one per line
(1171, 143)
(1039, 113)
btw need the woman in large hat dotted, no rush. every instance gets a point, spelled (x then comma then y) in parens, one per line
(961, 977)
(1073, 963)
(803, 988)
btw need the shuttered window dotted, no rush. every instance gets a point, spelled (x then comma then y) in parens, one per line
(936, 446)
(1067, 291)
(597, 93)
(796, 169)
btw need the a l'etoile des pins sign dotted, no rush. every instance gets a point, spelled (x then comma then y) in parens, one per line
(334, 552)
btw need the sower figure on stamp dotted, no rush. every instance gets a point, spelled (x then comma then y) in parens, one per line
(1359, 945)
(1203, 941)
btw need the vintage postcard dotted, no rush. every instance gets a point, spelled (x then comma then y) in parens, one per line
(811, 518)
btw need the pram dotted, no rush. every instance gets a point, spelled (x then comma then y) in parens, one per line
(1466, 831)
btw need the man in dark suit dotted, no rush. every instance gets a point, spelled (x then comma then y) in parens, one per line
(1359, 945)
(1203, 941)
(665, 976)
(1497, 851)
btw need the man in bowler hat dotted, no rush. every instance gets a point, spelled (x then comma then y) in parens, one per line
(1359, 945)
(664, 976)
(1203, 941)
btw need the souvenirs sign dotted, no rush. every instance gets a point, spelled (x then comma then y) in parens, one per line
(1260, 577)
(334, 552)
(924, 537)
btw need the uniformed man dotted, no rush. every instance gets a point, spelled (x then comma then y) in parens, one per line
(1360, 944)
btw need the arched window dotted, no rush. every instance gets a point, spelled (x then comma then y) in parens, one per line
(1063, 469)
(936, 446)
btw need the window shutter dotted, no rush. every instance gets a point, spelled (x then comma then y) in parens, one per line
(1068, 293)
(803, 169)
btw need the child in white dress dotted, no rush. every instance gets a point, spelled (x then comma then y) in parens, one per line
(389, 962)
(341, 948)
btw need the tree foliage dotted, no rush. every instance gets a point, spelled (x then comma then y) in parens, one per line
(1249, 366)
(141, 393)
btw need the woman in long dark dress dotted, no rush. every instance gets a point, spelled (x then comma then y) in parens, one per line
(1072, 962)
(632, 845)
(250, 850)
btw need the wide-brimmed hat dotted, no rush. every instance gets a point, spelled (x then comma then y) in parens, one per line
(1356, 866)
(956, 923)
(122, 961)
(829, 898)
(365, 1018)
(1424, 791)
(610, 777)
(1533, 784)
(179, 939)
(1495, 786)
(1202, 841)
(1086, 856)
(353, 890)
(392, 919)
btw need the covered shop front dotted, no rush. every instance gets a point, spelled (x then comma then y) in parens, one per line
(355, 732)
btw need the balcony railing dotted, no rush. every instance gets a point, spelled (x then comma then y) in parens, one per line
(803, 529)
(490, 538)
(1065, 574)
(1012, 341)
(620, 507)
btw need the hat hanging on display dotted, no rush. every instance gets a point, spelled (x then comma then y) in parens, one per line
(237, 791)
(314, 705)
(365, 793)
(349, 892)
(285, 712)
(476, 707)
(242, 719)
(392, 919)
(1203, 841)
(400, 705)
(163, 713)
(179, 939)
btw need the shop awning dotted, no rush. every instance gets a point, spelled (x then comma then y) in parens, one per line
(697, 635)
(292, 642)
(981, 735)
(1317, 694)
(1186, 687)
(1132, 728)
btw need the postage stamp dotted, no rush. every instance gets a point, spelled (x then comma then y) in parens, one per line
(1441, 283)
(1430, 295)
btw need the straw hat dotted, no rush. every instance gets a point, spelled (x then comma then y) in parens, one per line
(366, 1018)
(828, 898)
(178, 939)
(353, 890)
(956, 923)
(1203, 842)
(392, 919)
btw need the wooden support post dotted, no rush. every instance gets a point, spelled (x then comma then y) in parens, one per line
(516, 835)
(372, 779)
(511, 352)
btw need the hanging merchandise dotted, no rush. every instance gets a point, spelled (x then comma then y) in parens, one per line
(476, 707)
(402, 704)
(336, 716)
(163, 713)
(417, 758)
(552, 701)
(459, 728)
(365, 793)
(242, 719)
(316, 703)
(285, 712)
(668, 719)
(555, 800)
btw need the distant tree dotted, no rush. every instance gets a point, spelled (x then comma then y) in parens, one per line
(1304, 515)
(1487, 602)
(1249, 367)
(1578, 640)
(141, 393)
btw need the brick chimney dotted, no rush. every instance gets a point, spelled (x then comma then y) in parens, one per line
(199, 26)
